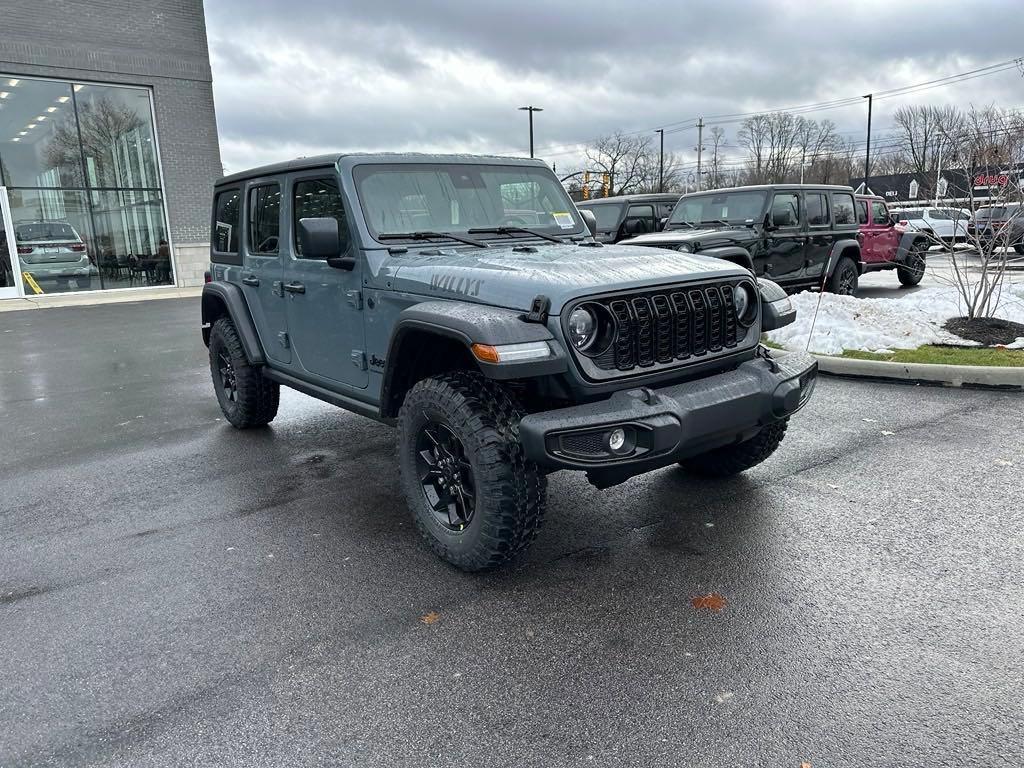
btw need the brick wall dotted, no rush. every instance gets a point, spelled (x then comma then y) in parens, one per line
(156, 43)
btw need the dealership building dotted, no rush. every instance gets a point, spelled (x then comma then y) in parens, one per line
(108, 146)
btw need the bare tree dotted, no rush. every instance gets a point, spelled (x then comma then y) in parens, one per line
(987, 144)
(625, 158)
(753, 136)
(717, 134)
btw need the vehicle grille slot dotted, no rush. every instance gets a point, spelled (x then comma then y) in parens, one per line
(699, 323)
(716, 323)
(729, 301)
(683, 316)
(644, 331)
(625, 344)
(663, 326)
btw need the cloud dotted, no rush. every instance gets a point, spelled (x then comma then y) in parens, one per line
(446, 75)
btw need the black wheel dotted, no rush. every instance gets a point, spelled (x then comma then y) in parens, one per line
(911, 270)
(844, 277)
(246, 398)
(472, 493)
(733, 459)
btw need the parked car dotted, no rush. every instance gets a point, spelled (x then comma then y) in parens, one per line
(501, 352)
(887, 245)
(799, 236)
(54, 254)
(1004, 223)
(948, 224)
(629, 215)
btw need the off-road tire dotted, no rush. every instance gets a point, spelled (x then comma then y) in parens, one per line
(732, 459)
(843, 279)
(256, 397)
(510, 490)
(906, 273)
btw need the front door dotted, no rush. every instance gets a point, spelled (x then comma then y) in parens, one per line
(324, 304)
(10, 271)
(886, 237)
(781, 255)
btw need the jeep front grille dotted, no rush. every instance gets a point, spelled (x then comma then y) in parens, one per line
(668, 326)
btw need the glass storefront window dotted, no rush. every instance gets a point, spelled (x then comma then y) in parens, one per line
(79, 162)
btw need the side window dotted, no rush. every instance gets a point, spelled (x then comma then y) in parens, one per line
(640, 219)
(321, 198)
(225, 226)
(879, 213)
(862, 211)
(786, 209)
(844, 208)
(817, 209)
(264, 218)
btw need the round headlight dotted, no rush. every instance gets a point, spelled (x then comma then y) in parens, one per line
(685, 248)
(582, 328)
(743, 298)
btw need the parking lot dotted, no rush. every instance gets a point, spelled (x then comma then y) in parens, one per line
(175, 592)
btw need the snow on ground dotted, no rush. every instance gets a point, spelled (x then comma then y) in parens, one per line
(907, 321)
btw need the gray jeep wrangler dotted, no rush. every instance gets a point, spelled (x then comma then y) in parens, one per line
(465, 300)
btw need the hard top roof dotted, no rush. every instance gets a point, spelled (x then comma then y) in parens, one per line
(769, 187)
(649, 196)
(357, 158)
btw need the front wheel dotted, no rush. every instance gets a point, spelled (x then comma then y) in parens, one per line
(247, 398)
(844, 277)
(911, 270)
(732, 459)
(474, 497)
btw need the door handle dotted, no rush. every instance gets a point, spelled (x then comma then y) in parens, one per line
(295, 287)
(250, 280)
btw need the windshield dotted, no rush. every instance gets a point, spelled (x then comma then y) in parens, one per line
(996, 212)
(607, 215)
(45, 230)
(407, 198)
(730, 207)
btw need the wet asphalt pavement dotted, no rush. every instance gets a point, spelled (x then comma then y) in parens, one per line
(175, 592)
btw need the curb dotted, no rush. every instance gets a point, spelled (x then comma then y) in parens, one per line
(977, 376)
(92, 298)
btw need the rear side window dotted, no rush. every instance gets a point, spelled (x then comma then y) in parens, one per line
(862, 211)
(319, 199)
(844, 208)
(264, 219)
(817, 209)
(879, 212)
(226, 215)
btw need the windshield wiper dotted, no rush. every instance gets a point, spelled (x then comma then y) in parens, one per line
(716, 221)
(427, 235)
(508, 230)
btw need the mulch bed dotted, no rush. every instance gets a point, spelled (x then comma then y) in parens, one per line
(985, 330)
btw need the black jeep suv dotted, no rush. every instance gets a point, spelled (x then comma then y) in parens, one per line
(798, 235)
(629, 215)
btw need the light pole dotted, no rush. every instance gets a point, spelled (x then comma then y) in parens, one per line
(661, 160)
(867, 151)
(531, 109)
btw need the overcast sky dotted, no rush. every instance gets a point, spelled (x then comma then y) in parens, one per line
(315, 76)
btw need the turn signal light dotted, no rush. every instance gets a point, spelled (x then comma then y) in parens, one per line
(485, 353)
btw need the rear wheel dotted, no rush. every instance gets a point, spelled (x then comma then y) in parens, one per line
(733, 459)
(844, 277)
(474, 497)
(911, 270)
(246, 397)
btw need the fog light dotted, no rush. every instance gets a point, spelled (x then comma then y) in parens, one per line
(617, 439)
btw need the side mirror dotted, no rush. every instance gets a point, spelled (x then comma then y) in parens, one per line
(662, 222)
(320, 239)
(590, 220)
(894, 219)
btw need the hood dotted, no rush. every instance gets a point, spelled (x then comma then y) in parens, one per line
(709, 237)
(507, 277)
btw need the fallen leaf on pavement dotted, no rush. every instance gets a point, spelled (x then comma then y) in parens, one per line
(805, 765)
(430, 618)
(887, 432)
(712, 602)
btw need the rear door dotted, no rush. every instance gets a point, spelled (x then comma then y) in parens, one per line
(821, 234)
(262, 270)
(324, 304)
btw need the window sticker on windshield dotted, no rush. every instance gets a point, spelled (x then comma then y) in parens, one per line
(564, 220)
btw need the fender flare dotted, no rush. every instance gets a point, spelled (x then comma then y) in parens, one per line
(732, 253)
(906, 241)
(221, 298)
(469, 324)
(837, 250)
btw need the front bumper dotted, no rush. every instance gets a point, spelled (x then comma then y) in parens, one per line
(662, 426)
